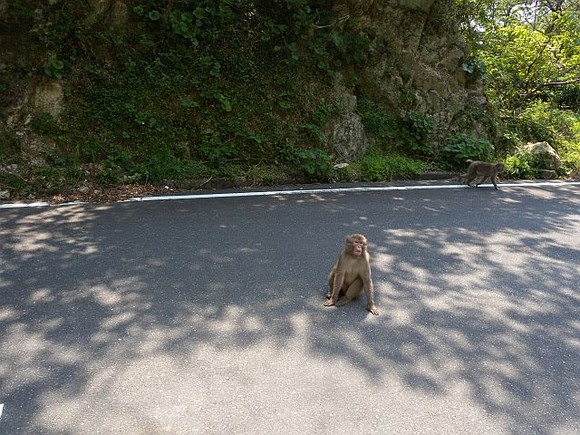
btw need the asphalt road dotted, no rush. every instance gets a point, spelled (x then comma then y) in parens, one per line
(205, 316)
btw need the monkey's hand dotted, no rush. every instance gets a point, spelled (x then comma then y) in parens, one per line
(329, 303)
(373, 310)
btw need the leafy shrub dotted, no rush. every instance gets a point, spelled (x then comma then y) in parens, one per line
(61, 171)
(417, 127)
(460, 147)
(13, 182)
(409, 134)
(538, 122)
(374, 169)
(349, 48)
(419, 124)
(215, 153)
(569, 149)
(264, 175)
(44, 123)
(543, 122)
(571, 160)
(474, 69)
(377, 120)
(160, 168)
(568, 98)
(315, 164)
(381, 168)
(54, 67)
(9, 145)
(521, 165)
(348, 173)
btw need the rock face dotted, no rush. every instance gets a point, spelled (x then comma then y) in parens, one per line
(346, 133)
(47, 95)
(547, 174)
(422, 64)
(547, 156)
(117, 11)
(42, 95)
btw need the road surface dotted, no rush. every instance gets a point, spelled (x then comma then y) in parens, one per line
(205, 316)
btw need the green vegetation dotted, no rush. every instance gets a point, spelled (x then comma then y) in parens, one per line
(409, 134)
(460, 147)
(203, 89)
(528, 53)
(378, 168)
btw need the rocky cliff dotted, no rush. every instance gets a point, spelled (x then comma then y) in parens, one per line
(415, 68)
(423, 66)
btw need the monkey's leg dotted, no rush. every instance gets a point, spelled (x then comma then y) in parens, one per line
(333, 295)
(482, 180)
(354, 289)
(494, 181)
(341, 293)
(330, 283)
(335, 284)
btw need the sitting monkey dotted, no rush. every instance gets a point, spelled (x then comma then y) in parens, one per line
(351, 275)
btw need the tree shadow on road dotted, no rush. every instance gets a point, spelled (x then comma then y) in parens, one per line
(488, 299)
(485, 299)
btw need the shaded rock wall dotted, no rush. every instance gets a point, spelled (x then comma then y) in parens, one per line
(417, 68)
(418, 65)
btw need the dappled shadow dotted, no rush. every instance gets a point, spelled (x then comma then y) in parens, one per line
(484, 297)
(489, 298)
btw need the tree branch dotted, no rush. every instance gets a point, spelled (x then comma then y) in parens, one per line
(549, 85)
(555, 84)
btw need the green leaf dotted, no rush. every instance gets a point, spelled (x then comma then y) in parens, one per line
(226, 104)
(154, 15)
(200, 13)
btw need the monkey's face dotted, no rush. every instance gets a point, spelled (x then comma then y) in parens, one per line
(357, 246)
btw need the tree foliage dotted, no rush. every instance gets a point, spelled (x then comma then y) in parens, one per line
(531, 53)
(193, 89)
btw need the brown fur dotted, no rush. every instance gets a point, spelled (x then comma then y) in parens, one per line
(351, 275)
(487, 170)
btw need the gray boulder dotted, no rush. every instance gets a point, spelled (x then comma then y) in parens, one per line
(547, 156)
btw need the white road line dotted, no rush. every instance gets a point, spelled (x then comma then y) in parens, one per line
(25, 205)
(330, 190)
(298, 192)
(1, 410)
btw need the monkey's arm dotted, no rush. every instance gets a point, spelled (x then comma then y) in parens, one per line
(370, 291)
(336, 285)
